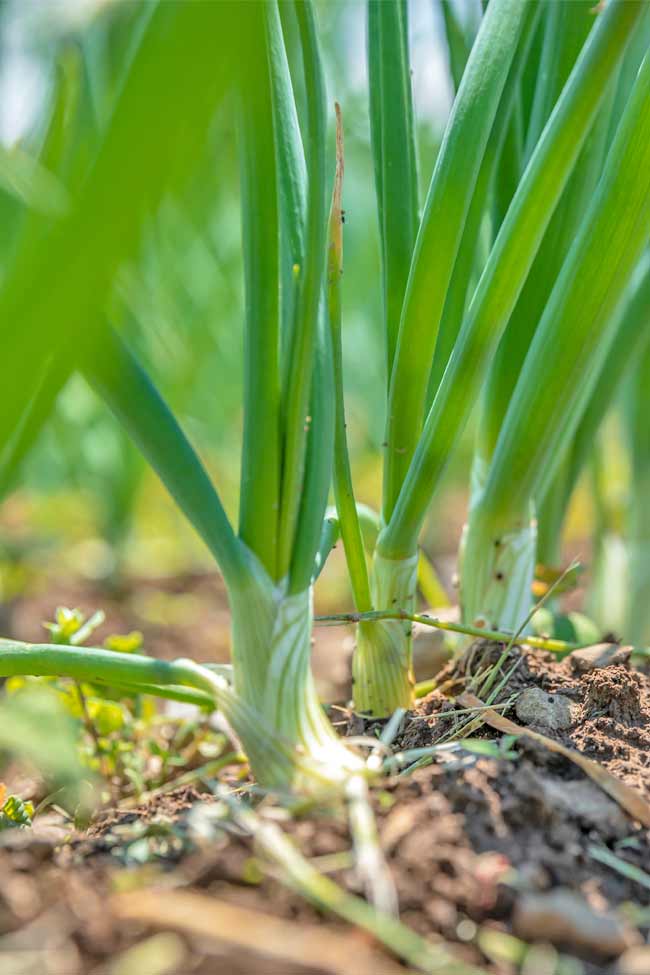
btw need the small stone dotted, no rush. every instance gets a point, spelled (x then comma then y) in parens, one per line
(634, 961)
(551, 711)
(600, 655)
(564, 918)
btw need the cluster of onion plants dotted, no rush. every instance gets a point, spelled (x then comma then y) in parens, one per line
(512, 285)
(547, 142)
(573, 331)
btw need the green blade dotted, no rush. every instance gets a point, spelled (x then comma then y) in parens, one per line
(504, 275)
(571, 344)
(566, 28)
(260, 467)
(318, 466)
(461, 279)
(121, 381)
(304, 334)
(343, 490)
(458, 44)
(394, 153)
(448, 200)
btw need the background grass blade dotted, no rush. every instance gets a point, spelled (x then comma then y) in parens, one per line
(176, 70)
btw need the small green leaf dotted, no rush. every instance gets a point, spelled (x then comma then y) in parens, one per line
(251, 872)
(16, 813)
(124, 643)
(71, 627)
(107, 716)
(66, 623)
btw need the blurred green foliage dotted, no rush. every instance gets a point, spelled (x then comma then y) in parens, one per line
(179, 296)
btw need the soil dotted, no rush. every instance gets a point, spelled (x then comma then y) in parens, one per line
(483, 848)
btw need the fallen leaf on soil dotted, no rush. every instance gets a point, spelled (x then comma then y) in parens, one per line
(627, 797)
(269, 936)
(563, 917)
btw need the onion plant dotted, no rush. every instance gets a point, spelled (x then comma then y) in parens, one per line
(267, 562)
(449, 327)
(632, 338)
(496, 586)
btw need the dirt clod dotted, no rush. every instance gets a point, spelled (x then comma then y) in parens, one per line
(565, 919)
(580, 798)
(614, 691)
(600, 655)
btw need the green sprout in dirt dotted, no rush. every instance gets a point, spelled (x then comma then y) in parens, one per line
(15, 813)
(122, 736)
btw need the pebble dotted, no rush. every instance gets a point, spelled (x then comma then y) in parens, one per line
(537, 707)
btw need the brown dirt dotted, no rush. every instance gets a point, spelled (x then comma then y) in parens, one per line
(610, 709)
(478, 846)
